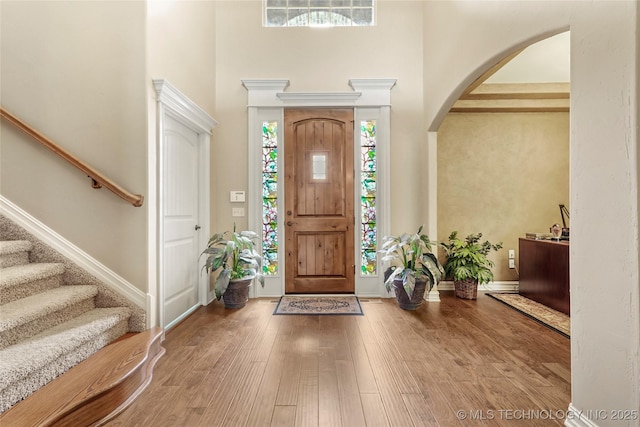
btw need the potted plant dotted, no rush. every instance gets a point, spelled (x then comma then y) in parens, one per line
(234, 254)
(415, 267)
(467, 263)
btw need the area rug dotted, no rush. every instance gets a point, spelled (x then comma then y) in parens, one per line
(549, 317)
(322, 305)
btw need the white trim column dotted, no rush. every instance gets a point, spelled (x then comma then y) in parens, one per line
(432, 200)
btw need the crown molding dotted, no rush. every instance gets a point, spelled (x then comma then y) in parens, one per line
(375, 84)
(278, 85)
(271, 93)
(181, 106)
(319, 98)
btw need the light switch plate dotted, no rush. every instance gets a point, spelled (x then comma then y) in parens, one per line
(236, 196)
(237, 211)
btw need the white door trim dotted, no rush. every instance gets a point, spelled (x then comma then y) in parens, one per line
(173, 103)
(370, 99)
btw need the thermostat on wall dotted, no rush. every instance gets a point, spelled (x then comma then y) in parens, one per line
(237, 196)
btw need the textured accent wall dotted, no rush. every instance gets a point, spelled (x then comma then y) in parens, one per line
(502, 174)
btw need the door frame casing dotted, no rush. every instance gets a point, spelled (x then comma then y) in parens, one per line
(267, 99)
(174, 104)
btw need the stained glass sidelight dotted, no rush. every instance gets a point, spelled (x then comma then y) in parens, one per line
(270, 197)
(368, 192)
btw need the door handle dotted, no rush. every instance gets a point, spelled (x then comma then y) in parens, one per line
(289, 223)
(198, 227)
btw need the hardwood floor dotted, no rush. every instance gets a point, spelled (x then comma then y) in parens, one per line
(477, 360)
(96, 389)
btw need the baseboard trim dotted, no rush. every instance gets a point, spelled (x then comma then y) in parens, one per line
(497, 286)
(577, 418)
(359, 295)
(72, 252)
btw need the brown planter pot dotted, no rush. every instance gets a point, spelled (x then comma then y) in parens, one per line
(237, 293)
(404, 301)
(466, 289)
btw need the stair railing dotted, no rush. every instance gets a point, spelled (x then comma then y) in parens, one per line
(98, 180)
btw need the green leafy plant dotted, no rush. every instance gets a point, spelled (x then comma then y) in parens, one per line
(467, 259)
(234, 254)
(412, 259)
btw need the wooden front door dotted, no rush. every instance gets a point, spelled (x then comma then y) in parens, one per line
(319, 219)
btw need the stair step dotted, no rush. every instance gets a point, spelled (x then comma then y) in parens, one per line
(29, 316)
(30, 364)
(14, 252)
(21, 281)
(95, 390)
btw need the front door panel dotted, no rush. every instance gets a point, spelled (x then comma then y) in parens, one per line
(319, 201)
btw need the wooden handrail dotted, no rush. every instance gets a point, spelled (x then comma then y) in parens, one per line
(97, 179)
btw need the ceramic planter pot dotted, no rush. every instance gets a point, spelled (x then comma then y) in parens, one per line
(404, 301)
(237, 293)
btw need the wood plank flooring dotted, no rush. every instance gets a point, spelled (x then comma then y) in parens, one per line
(453, 363)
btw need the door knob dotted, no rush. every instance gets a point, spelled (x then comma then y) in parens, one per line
(289, 223)
(198, 227)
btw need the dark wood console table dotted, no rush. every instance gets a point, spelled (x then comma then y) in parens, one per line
(544, 272)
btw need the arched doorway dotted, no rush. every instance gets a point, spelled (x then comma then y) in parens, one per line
(503, 153)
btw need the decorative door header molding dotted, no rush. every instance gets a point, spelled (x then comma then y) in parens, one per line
(271, 93)
(178, 103)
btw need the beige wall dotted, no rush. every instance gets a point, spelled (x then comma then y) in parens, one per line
(502, 174)
(605, 298)
(181, 47)
(89, 89)
(84, 87)
(319, 59)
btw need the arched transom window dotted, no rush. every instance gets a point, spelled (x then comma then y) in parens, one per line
(318, 13)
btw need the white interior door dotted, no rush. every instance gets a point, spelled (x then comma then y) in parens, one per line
(180, 281)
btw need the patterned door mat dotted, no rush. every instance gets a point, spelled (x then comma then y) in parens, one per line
(549, 317)
(319, 305)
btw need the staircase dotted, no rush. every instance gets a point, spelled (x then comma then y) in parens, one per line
(74, 350)
(46, 327)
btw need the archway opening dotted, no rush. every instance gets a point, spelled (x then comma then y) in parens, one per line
(503, 153)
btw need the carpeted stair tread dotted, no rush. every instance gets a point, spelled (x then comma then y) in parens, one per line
(15, 246)
(28, 309)
(19, 360)
(14, 252)
(20, 274)
(21, 281)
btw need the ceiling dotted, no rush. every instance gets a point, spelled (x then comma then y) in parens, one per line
(544, 62)
(533, 79)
